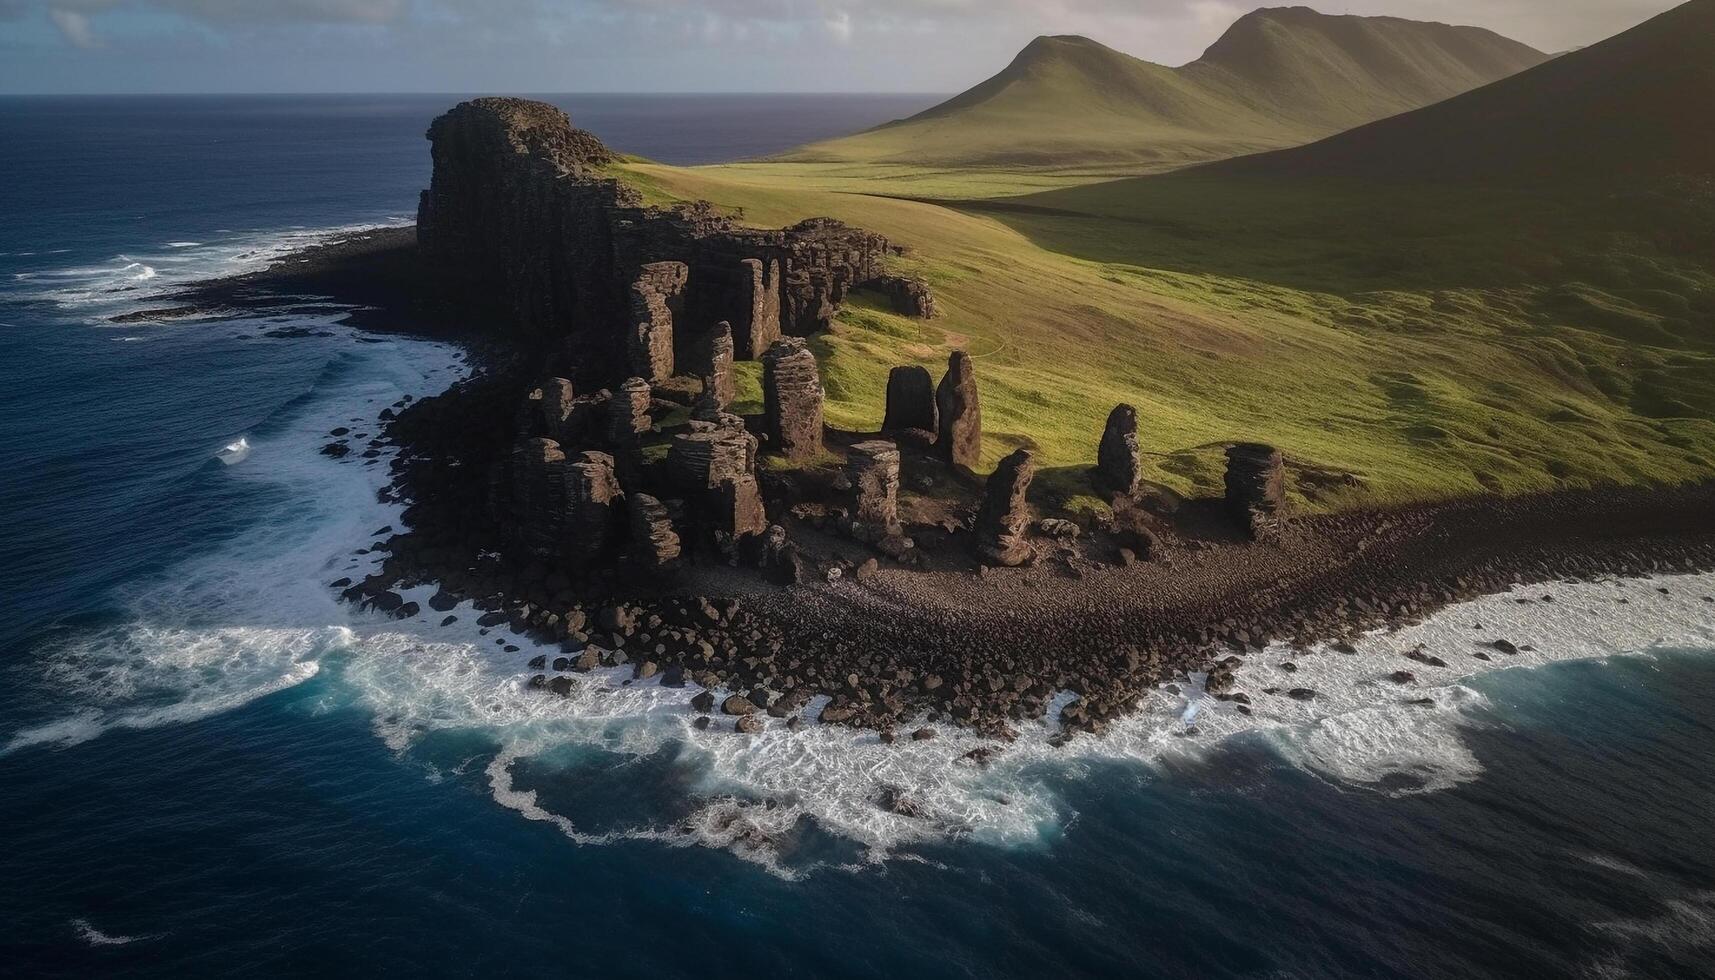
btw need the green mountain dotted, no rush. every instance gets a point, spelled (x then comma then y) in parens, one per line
(1635, 105)
(1278, 77)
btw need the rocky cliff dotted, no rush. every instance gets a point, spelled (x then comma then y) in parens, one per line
(524, 222)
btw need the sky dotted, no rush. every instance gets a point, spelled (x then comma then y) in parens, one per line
(530, 46)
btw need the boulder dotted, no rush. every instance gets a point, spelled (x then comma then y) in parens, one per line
(960, 435)
(911, 401)
(1118, 463)
(792, 399)
(1005, 515)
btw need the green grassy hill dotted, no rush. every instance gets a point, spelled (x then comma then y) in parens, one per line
(1278, 77)
(1636, 105)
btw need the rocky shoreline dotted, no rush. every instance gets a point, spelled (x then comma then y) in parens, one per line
(594, 487)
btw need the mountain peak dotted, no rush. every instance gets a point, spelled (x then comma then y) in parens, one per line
(1281, 76)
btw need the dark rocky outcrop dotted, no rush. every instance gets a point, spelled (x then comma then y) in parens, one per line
(654, 543)
(792, 399)
(911, 402)
(960, 436)
(1005, 515)
(1118, 463)
(593, 500)
(1256, 488)
(906, 295)
(522, 223)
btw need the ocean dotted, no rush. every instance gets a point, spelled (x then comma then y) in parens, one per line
(209, 766)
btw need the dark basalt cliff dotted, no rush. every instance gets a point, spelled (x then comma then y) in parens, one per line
(522, 222)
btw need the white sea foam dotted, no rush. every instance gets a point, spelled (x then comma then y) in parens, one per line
(95, 937)
(132, 280)
(255, 616)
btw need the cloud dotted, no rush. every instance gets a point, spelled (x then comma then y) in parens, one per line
(75, 26)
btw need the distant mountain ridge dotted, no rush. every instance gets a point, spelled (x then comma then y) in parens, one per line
(1637, 104)
(1278, 77)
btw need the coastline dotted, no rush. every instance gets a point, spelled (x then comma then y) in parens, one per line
(953, 643)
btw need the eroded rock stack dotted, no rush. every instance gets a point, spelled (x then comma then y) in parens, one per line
(960, 438)
(718, 379)
(911, 403)
(538, 495)
(1119, 465)
(655, 544)
(1256, 488)
(657, 295)
(1004, 516)
(628, 416)
(761, 286)
(593, 500)
(521, 225)
(792, 399)
(873, 468)
(709, 456)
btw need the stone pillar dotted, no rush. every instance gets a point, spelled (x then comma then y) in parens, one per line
(719, 377)
(1119, 466)
(654, 542)
(1256, 488)
(538, 495)
(592, 506)
(703, 459)
(960, 438)
(1005, 515)
(628, 413)
(657, 295)
(911, 402)
(760, 293)
(792, 399)
(738, 511)
(873, 468)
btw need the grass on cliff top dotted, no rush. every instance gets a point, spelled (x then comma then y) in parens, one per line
(1429, 343)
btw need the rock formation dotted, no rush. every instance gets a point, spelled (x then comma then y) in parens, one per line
(1118, 464)
(718, 377)
(547, 411)
(1004, 516)
(657, 296)
(908, 296)
(628, 415)
(704, 458)
(960, 437)
(1256, 488)
(654, 542)
(538, 506)
(522, 223)
(873, 469)
(592, 506)
(911, 402)
(792, 399)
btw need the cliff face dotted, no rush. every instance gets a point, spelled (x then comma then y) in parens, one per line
(520, 223)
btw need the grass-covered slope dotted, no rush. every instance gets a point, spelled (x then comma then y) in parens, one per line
(1278, 77)
(1641, 104)
(1427, 345)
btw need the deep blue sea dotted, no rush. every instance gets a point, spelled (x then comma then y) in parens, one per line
(209, 767)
